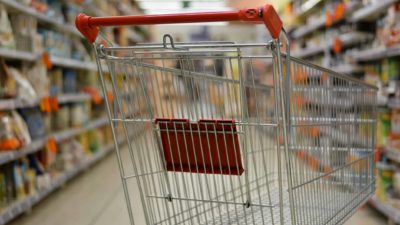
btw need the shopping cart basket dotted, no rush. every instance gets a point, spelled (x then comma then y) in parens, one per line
(234, 133)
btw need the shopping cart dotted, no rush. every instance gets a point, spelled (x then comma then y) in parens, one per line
(234, 133)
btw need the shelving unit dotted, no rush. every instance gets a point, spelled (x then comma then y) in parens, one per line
(376, 53)
(372, 11)
(348, 68)
(320, 22)
(9, 104)
(347, 40)
(16, 54)
(42, 18)
(25, 59)
(35, 146)
(27, 203)
(392, 213)
(73, 64)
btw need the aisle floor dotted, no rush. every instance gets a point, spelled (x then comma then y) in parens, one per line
(96, 198)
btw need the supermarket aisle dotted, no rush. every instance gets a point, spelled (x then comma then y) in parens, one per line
(96, 198)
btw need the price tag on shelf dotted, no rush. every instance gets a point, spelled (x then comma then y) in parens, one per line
(337, 45)
(47, 61)
(54, 104)
(51, 145)
(45, 105)
(328, 19)
(340, 11)
(49, 104)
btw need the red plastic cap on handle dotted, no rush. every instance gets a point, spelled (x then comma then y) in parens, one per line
(272, 21)
(266, 14)
(83, 25)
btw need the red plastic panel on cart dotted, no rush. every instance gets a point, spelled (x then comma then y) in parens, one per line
(209, 146)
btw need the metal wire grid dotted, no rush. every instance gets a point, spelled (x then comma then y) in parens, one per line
(224, 83)
(335, 138)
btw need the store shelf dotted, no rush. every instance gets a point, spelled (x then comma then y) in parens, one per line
(72, 98)
(347, 40)
(42, 18)
(307, 52)
(392, 154)
(73, 63)
(347, 68)
(309, 28)
(16, 54)
(319, 22)
(67, 134)
(35, 146)
(21, 206)
(392, 213)
(372, 11)
(376, 53)
(307, 7)
(10, 104)
(25, 204)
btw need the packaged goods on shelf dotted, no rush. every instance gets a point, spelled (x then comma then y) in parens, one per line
(39, 79)
(69, 81)
(34, 120)
(56, 44)
(384, 180)
(6, 34)
(24, 31)
(383, 126)
(25, 91)
(56, 81)
(8, 89)
(8, 138)
(80, 114)
(61, 118)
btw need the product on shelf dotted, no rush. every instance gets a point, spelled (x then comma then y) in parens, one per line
(8, 87)
(8, 138)
(56, 81)
(384, 180)
(24, 88)
(21, 129)
(61, 118)
(38, 77)
(56, 44)
(6, 34)
(24, 31)
(80, 114)
(69, 81)
(34, 120)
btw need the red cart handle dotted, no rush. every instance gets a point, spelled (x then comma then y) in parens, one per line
(89, 26)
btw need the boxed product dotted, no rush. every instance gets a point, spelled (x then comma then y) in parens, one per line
(69, 81)
(34, 120)
(37, 76)
(56, 81)
(61, 118)
(24, 30)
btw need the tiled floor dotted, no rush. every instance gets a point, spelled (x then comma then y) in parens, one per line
(96, 198)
